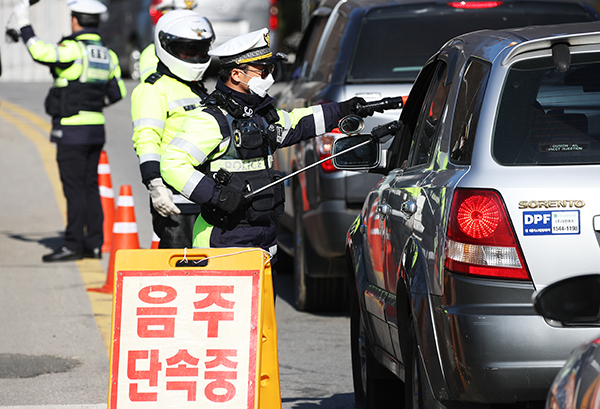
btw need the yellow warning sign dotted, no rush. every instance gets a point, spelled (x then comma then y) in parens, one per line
(193, 328)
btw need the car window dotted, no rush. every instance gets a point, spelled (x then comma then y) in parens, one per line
(308, 47)
(325, 61)
(548, 117)
(423, 140)
(398, 151)
(392, 45)
(467, 109)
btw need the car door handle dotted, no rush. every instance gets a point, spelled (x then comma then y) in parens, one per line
(409, 208)
(384, 209)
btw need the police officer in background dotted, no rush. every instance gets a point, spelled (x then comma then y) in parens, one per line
(158, 107)
(148, 59)
(87, 78)
(224, 150)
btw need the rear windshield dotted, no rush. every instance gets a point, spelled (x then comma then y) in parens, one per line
(395, 42)
(547, 117)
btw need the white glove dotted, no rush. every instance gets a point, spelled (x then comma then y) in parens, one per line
(21, 14)
(162, 198)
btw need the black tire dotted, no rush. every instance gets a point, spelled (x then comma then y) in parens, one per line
(374, 386)
(314, 293)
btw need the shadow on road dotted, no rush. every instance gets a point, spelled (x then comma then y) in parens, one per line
(48, 239)
(337, 401)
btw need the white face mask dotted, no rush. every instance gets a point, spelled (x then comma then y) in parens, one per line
(259, 86)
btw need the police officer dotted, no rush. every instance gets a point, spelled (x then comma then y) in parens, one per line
(148, 59)
(158, 107)
(224, 151)
(87, 78)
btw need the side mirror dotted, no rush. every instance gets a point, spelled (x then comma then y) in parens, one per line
(574, 300)
(356, 152)
(351, 124)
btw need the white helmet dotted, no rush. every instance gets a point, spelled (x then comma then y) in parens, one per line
(182, 39)
(159, 7)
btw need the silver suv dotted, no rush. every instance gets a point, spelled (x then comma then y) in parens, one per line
(490, 192)
(371, 49)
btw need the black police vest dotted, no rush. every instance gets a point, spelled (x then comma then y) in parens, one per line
(86, 93)
(248, 165)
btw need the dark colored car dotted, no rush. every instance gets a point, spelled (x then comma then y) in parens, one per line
(489, 192)
(371, 49)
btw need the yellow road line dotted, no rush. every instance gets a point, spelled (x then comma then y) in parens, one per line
(37, 129)
(94, 276)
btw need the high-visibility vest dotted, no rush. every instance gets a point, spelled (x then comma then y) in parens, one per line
(159, 106)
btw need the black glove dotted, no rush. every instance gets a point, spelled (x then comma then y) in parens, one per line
(356, 106)
(351, 106)
(230, 199)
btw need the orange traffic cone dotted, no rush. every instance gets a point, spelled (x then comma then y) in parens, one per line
(107, 197)
(124, 236)
(155, 241)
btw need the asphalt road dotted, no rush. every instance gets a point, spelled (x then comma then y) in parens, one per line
(53, 333)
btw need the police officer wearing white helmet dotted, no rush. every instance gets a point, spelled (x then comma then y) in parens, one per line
(158, 8)
(87, 78)
(158, 107)
(225, 150)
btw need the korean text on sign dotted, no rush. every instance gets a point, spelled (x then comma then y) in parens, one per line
(185, 340)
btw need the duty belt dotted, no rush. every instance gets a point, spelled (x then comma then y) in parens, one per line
(241, 165)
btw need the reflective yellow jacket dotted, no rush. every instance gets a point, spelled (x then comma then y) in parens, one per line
(87, 77)
(148, 62)
(200, 143)
(158, 108)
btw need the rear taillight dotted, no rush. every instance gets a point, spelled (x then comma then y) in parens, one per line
(273, 15)
(324, 144)
(480, 239)
(474, 4)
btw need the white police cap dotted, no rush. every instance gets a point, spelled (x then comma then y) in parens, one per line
(86, 6)
(251, 48)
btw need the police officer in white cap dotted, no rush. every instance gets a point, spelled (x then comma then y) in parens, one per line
(87, 78)
(224, 151)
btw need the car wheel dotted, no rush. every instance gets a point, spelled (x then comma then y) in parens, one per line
(374, 386)
(313, 293)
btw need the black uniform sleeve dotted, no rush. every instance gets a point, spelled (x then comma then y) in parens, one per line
(113, 92)
(324, 119)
